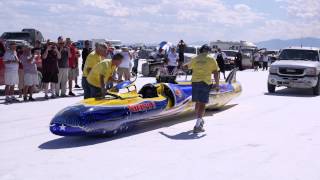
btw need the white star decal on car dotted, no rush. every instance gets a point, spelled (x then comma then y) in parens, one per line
(62, 127)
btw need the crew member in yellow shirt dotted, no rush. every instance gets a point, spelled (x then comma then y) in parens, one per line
(203, 66)
(93, 58)
(102, 74)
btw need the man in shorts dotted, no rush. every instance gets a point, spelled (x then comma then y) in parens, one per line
(50, 69)
(203, 66)
(11, 75)
(72, 72)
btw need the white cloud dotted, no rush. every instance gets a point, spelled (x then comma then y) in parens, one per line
(285, 30)
(110, 7)
(303, 8)
(155, 20)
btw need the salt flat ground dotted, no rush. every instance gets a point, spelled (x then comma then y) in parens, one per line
(256, 137)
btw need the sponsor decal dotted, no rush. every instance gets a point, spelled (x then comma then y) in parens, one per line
(142, 107)
(178, 93)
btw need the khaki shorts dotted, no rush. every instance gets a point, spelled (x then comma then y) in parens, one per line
(73, 73)
(123, 73)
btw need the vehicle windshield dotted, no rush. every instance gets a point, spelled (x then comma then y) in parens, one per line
(230, 53)
(296, 54)
(191, 50)
(18, 36)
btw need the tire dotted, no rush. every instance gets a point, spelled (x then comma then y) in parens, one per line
(316, 89)
(271, 88)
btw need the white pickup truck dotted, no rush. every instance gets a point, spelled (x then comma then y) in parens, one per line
(296, 67)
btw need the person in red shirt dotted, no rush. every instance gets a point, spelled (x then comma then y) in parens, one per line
(73, 65)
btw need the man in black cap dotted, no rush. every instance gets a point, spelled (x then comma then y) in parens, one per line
(203, 66)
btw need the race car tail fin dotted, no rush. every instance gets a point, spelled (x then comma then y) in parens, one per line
(232, 77)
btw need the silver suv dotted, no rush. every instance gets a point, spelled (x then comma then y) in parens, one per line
(296, 67)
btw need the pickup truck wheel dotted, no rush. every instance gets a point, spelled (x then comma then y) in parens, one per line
(271, 88)
(316, 90)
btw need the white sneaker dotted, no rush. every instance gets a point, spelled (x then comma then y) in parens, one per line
(198, 128)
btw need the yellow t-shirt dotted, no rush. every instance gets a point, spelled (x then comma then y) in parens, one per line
(202, 67)
(92, 59)
(105, 68)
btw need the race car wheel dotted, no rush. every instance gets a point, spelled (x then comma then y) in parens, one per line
(271, 88)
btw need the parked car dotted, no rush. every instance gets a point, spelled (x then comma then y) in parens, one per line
(26, 36)
(230, 61)
(190, 52)
(296, 67)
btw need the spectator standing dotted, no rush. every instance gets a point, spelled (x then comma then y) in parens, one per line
(261, 60)
(102, 74)
(135, 56)
(256, 62)
(30, 72)
(63, 64)
(38, 47)
(238, 60)
(93, 58)
(265, 61)
(110, 51)
(181, 48)
(124, 67)
(203, 66)
(77, 69)
(172, 60)
(11, 76)
(20, 71)
(72, 73)
(2, 52)
(2, 48)
(220, 58)
(163, 70)
(85, 52)
(50, 69)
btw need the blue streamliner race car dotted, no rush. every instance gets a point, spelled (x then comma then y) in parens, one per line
(118, 112)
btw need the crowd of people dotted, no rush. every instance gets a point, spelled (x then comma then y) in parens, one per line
(261, 60)
(58, 63)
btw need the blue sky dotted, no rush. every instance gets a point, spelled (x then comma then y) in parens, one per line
(156, 20)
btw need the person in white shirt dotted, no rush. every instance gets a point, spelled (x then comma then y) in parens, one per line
(172, 60)
(124, 68)
(256, 62)
(11, 76)
(265, 60)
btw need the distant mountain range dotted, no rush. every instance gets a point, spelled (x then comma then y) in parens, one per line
(279, 44)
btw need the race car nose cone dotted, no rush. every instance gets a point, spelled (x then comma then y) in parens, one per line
(67, 122)
(63, 130)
